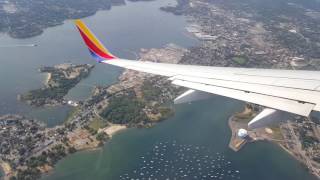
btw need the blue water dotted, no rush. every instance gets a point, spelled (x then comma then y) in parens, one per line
(124, 30)
(197, 130)
(200, 125)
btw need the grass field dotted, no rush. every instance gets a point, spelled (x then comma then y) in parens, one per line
(241, 60)
(97, 123)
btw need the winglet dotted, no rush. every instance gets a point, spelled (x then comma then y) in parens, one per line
(96, 48)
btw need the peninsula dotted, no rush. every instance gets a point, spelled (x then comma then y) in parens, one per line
(61, 78)
(298, 136)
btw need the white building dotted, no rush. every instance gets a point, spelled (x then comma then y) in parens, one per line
(242, 133)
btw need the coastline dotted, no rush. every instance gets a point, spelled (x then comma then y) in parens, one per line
(39, 32)
(266, 135)
(110, 131)
(18, 34)
(298, 146)
(5, 169)
(58, 81)
(128, 79)
(113, 129)
(86, 128)
(235, 143)
(48, 76)
(47, 79)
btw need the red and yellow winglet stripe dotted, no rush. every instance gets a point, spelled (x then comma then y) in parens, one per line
(97, 50)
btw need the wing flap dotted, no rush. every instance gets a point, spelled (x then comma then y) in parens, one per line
(153, 71)
(283, 92)
(288, 105)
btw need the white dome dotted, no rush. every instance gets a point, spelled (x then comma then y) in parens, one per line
(242, 133)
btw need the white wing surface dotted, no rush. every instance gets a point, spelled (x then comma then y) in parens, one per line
(292, 91)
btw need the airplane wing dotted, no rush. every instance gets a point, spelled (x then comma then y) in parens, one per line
(296, 92)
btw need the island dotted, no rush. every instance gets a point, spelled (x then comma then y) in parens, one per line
(61, 78)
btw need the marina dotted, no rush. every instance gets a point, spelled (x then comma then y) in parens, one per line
(171, 160)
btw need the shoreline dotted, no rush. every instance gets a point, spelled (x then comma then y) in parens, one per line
(86, 130)
(59, 80)
(234, 142)
(5, 169)
(263, 135)
(47, 79)
(45, 27)
(113, 129)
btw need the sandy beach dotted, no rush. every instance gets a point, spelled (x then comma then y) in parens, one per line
(113, 129)
(47, 79)
(5, 167)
